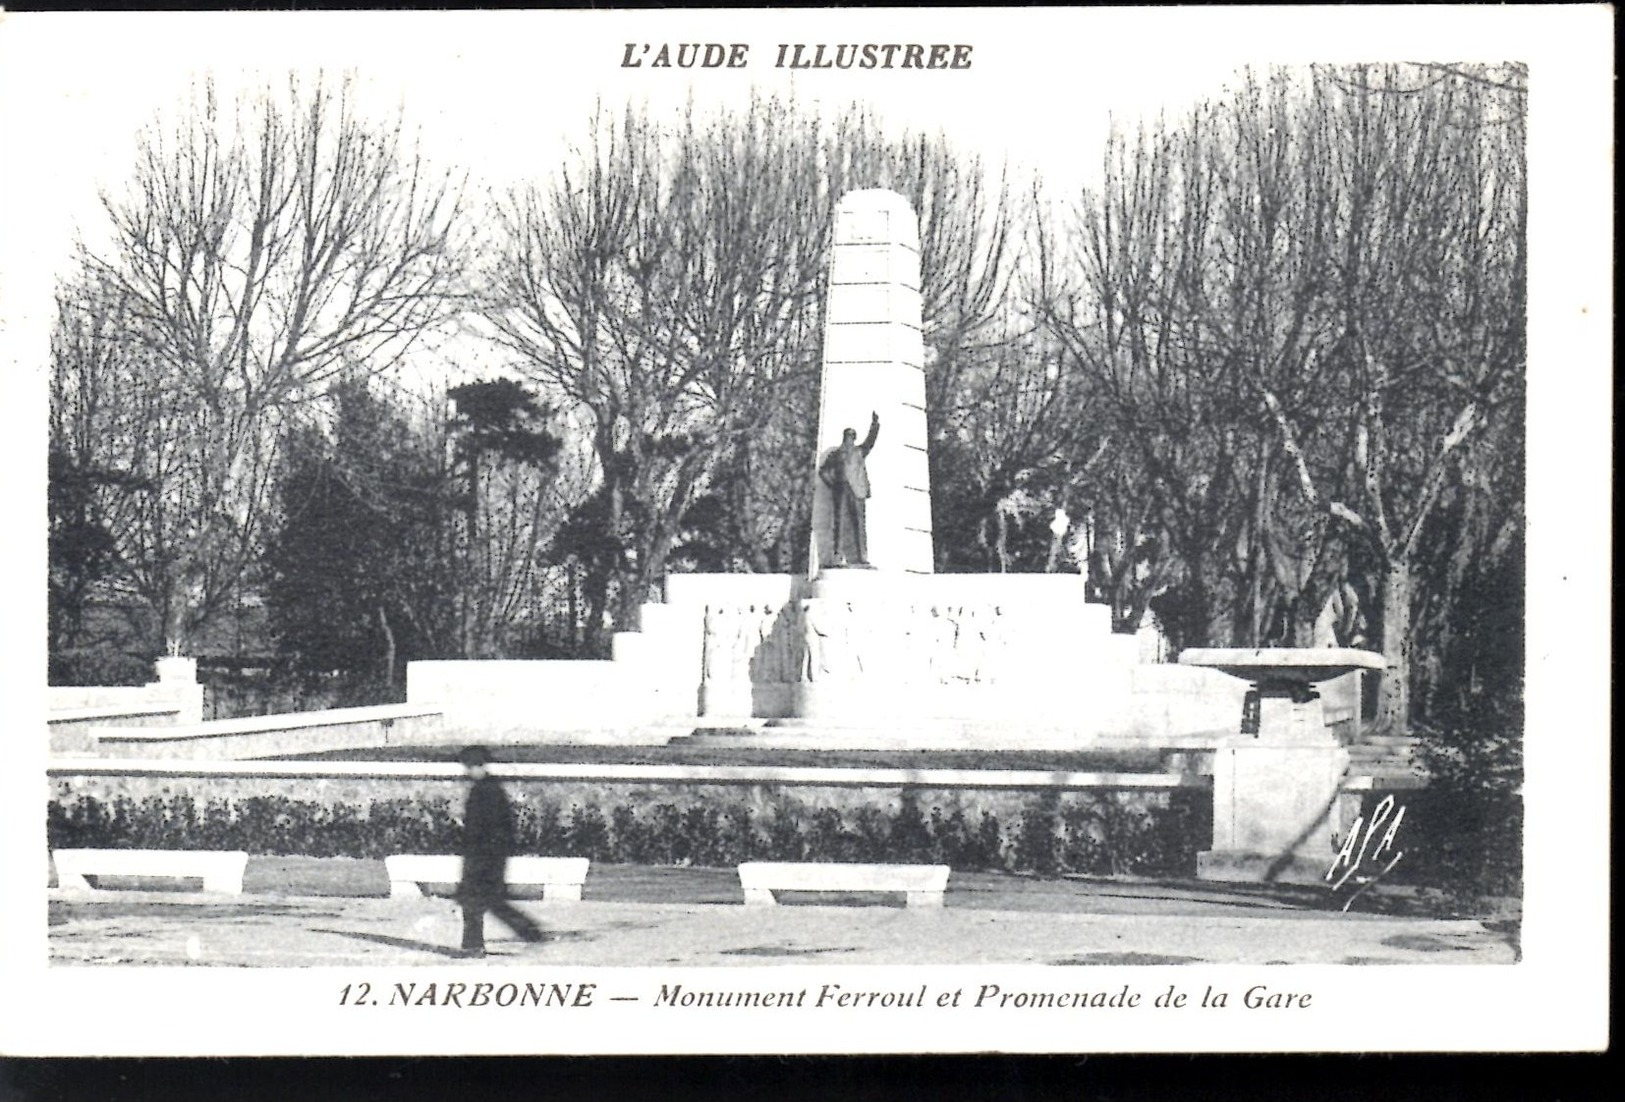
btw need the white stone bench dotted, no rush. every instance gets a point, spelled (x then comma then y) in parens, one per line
(220, 870)
(922, 884)
(560, 878)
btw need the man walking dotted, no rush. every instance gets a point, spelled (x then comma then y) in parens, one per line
(488, 839)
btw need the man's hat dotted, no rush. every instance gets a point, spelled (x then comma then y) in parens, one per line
(475, 755)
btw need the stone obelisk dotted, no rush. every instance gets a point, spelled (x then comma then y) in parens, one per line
(874, 363)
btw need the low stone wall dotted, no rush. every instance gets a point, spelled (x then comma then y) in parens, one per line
(72, 730)
(646, 814)
(73, 711)
(634, 701)
(1181, 702)
(275, 735)
(338, 782)
(672, 672)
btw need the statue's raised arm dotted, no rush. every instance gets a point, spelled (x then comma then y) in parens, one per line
(874, 431)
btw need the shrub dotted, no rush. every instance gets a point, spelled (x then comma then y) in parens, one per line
(587, 834)
(784, 840)
(539, 828)
(98, 666)
(1036, 848)
(230, 692)
(1085, 846)
(1471, 815)
(1082, 833)
(910, 835)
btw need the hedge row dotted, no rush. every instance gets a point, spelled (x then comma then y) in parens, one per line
(1091, 833)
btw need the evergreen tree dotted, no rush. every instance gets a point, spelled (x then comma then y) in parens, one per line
(360, 570)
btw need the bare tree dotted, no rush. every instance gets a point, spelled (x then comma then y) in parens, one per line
(101, 412)
(666, 283)
(511, 504)
(1126, 297)
(1429, 285)
(260, 251)
(670, 282)
(1306, 307)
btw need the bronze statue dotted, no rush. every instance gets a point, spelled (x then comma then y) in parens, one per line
(845, 473)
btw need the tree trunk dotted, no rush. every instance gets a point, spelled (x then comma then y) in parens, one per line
(1394, 687)
(1303, 626)
(389, 648)
(573, 599)
(602, 569)
(595, 592)
(1057, 544)
(1213, 612)
(640, 587)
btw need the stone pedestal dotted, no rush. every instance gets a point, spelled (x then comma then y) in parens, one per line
(1275, 794)
(175, 669)
(1273, 812)
(858, 583)
(965, 655)
(177, 681)
(851, 621)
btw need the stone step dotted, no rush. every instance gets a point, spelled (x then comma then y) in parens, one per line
(1390, 764)
(942, 736)
(1384, 768)
(1388, 782)
(1368, 750)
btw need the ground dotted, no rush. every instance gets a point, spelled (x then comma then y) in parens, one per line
(333, 911)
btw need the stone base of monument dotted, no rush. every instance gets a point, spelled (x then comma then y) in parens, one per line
(1275, 811)
(938, 734)
(1255, 868)
(744, 699)
(857, 582)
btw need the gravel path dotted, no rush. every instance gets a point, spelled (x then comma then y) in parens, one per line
(300, 911)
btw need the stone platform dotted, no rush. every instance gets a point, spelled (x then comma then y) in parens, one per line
(803, 734)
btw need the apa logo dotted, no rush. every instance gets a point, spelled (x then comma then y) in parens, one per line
(1365, 866)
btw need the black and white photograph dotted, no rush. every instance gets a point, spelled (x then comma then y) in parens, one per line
(833, 531)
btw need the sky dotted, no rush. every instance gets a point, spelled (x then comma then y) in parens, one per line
(503, 95)
(501, 92)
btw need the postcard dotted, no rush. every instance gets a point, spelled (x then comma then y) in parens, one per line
(827, 531)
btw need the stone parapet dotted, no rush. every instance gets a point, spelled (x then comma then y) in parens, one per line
(173, 698)
(265, 736)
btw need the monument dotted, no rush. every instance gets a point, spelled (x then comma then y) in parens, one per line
(873, 374)
(870, 643)
(869, 648)
(1275, 791)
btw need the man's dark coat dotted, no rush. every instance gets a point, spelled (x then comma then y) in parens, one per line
(488, 839)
